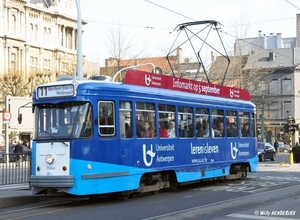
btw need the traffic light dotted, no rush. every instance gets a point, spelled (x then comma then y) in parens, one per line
(290, 128)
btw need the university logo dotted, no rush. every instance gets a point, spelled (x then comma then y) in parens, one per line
(149, 153)
(234, 150)
(147, 80)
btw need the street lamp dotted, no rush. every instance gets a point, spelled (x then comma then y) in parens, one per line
(263, 116)
(79, 40)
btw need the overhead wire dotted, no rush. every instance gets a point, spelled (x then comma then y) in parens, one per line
(182, 15)
(292, 4)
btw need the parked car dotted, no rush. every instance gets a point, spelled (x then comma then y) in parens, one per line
(266, 151)
(2, 157)
(13, 156)
(283, 147)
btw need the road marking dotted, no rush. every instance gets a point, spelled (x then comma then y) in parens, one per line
(242, 216)
(245, 186)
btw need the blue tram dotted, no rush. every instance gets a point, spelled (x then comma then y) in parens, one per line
(147, 133)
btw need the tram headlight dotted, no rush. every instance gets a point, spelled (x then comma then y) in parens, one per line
(49, 159)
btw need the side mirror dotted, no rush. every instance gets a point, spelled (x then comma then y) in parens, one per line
(20, 118)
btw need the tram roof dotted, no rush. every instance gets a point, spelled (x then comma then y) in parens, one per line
(148, 83)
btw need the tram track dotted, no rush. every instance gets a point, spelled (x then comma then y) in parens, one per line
(213, 210)
(239, 203)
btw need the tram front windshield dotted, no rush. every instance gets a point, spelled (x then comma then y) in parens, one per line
(65, 120)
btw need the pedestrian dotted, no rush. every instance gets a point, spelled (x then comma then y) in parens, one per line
(25, 143)
(19, 151)
(276, 145)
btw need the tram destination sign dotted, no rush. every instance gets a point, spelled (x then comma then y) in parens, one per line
(141, 78)
(55, 91)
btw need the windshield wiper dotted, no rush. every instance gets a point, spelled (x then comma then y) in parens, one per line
(53, 137)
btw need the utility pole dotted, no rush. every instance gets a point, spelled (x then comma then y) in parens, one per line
(263, 117)
(79, 40)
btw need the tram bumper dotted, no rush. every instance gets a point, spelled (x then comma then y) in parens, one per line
(52, 181)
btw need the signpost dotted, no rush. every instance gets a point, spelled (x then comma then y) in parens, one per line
(6, 117)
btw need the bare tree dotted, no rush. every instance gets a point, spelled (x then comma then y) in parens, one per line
(120, 47)
(119, 44)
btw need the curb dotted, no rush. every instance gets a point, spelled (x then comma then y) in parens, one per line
(11, 201)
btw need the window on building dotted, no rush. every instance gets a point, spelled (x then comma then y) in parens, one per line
(252, 88)
(69, 41)
(287, 108)
(13, 25)
(287, 86)
(274, 87)
(274, 110)
(61, 33)
(49, 36)
(45, 35)
(287, 45)
(13, 62)
(36, 34)
(33, 64)
(31, 32)
(64, 67)
(21, 22)
(126, 127)
(46, 66)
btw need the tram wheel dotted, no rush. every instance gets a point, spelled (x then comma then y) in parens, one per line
(125, 196)
(155, 192)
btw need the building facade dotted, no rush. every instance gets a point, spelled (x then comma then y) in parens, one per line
(276, 90)
(38, 36)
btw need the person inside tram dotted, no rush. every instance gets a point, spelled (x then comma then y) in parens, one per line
(128, 131)
(182, 131)
(199, 130)
(245, 131)
(171, 130)
(207, 130)
(219, 131)
(163, 132)
(147, 131)
(232, 130)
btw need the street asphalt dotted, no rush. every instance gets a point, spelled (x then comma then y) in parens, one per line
(16, 194)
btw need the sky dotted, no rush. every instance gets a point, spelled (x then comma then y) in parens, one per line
(148, 25)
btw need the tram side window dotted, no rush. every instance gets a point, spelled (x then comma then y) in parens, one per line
(185, 121)
(253, 124)
(126, 119)
(106, 119)
(145, 119)
(218, 122)
(231, 122)
(244, 124)
(166, 120)
(202, 122)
